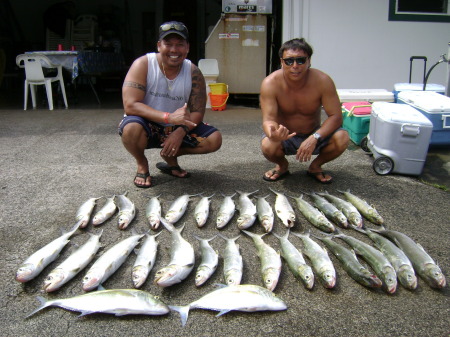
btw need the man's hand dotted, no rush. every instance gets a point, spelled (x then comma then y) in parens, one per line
(173, 143)
(304, 152)
(279, 134)
(181, 116)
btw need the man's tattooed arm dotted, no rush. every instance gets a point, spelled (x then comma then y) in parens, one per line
(197, 101)
(134, 85)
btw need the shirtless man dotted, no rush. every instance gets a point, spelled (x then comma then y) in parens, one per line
(291, 101)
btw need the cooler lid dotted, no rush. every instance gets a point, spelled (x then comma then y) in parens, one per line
(399, 113)
(361, 108)
(426, 100)
(349, 95)
(418, 87)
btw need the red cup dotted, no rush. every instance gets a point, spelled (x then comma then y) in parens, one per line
(60, 47)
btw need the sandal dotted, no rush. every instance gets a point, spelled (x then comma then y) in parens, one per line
(143, 176)
(318, 175)
(274, 171)
(165, 168)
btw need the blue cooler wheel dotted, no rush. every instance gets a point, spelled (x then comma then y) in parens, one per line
(363, 144)
(383, 165)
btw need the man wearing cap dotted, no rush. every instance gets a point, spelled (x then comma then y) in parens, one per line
(164, 97)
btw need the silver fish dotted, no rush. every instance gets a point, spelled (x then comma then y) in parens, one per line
(119, 302)
(423, 264)
(329, 210)
(270, 261)
(145, 260)
(351, 212)
(201, 211)
(84, 212)
(368, 211)
(178, 208)
(320, 260)
(127, 210)
(314, 216)
(106, 212)
(226, 211)
(284, 210)
(182, 259)
(208, 265)
(109, 262)
(295, 261)
(232, 262)
(247, 210)
(265, 213)
(36, 262)
(379, 263)
(153, 212)
(248, 298)
(75, 263)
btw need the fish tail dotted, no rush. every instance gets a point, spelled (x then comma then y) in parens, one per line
(166, 224)
(183, 311)
(44, 304)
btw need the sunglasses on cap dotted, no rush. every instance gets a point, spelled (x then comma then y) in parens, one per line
(177, 26)
(290, 60)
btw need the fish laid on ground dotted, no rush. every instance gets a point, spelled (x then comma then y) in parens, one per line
(145, 260)
(153, 212)
(119, 302)
(351, 212)
(127, 210)
(246, 297)
(233, 265)
(265, 213)
(320, 260)
(36, 262)
(109, 262)
(75, 263)
(296, 261)
(247, 210)
(284, 210)
(106, 212)
(423, 264)
(201, 211)
(208, 265)
(270, 261)
(84, 212)
(367, 211)
(351, 265)
(226, 211)
(402, 265)
(314, 216)
(182, 259)
(379, 263)
(178, 208)
(329, 210)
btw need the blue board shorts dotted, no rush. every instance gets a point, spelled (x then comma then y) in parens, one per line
(157, 134)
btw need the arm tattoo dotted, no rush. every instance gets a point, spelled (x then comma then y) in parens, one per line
(197, 101)
(134, 85)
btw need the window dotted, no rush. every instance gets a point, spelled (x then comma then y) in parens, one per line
(419, 10)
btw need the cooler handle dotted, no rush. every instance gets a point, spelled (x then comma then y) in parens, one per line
(411, 130)
(350, 113)
(446, 121)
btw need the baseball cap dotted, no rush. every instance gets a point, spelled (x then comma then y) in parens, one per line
(173, 27)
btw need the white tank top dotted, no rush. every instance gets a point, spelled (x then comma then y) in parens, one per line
(158, 94)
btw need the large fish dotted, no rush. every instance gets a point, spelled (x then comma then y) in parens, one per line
(75, 263)
(296, 261)
(396, 256)
(119, 302)
(265, 213)
(106, 212)
(351, 212)
(109, 262)
(329, 210)
(178, 208)
(247, 210)
(84, 212)
(270, 261)
(127, 210)
(36, 262)
(145, 260)
(379, 263)
(232, 262)
(320, 260)
(248, 298)
(423, 264)
(284, 209)
(153, 212)
(226, 211)
(201, 211)
(314, 216)
(368, 211)
(182, 259)
(208, 265)
(351, 265)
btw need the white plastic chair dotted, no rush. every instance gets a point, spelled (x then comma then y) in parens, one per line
(209, 68)
(34, 75)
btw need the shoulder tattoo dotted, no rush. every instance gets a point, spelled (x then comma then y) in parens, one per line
(134, 85)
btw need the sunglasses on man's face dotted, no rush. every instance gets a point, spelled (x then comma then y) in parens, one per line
(290, 60)
(176, 26)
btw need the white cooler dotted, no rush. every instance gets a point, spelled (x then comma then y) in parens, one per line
(399, 87)
(370, 95)
(399, 137)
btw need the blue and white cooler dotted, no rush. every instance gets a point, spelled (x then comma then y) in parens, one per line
(436, 108)
(433, 87)
(399, 137)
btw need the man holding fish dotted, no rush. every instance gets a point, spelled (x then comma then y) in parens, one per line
(164, 97)
(291, 100)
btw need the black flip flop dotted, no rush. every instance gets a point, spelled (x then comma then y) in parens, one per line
(165, 168)
(143, 176)
(315, 176)
(280, 176)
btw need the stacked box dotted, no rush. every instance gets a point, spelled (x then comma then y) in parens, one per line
(400, 87)
(356, 119)
(436, 108)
